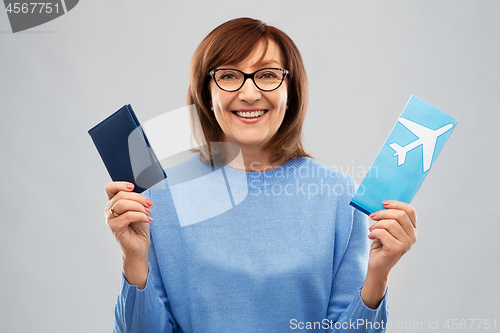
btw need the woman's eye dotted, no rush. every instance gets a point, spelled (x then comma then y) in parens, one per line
(268, 75)
(228, 76)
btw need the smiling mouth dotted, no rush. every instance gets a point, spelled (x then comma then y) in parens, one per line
(250, 114)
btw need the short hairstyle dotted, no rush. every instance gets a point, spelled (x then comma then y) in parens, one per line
(232, 42)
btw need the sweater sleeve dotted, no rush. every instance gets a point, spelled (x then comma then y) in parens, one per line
(346, 310)
(147, 310)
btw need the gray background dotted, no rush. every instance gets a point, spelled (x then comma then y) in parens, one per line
(60, 265)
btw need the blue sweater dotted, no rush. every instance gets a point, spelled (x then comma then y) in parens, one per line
(234, 251)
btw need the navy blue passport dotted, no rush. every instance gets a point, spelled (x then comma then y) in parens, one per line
(125, 150)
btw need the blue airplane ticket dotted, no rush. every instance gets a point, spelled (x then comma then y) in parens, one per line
(406, 156)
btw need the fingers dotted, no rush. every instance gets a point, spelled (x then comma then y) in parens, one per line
(114, 187)
(132, 196)
(129, 208)
(393, 234)
(123, 205)
(391, 245)
(393, 228)
(395, 223)
(408, 209)
(119, 224)
(403, 217)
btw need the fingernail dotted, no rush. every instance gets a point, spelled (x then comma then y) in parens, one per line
(385, 202)
(130, 186)
(149, 202)
(147, 210)
(370, 227)
(372, 215)
(150, 218)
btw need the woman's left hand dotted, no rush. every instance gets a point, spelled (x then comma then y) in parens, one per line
(393, 234)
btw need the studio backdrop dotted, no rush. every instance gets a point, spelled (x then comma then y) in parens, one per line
(60, 265)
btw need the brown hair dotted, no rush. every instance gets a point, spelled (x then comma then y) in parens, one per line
(232, 42)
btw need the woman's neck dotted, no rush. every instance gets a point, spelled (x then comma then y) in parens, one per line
(253, 159)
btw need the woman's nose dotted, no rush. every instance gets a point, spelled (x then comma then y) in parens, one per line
(249, 92)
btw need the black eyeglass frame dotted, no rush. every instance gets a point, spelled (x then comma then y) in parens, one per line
(248, 76)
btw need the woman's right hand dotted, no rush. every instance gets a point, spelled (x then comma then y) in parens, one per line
(127, 216)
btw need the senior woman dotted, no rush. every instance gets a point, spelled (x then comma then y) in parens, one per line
(290, 253)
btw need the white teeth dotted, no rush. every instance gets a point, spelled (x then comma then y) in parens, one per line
(253, 114)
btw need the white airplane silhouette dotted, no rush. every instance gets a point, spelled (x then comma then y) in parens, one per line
(426, 137)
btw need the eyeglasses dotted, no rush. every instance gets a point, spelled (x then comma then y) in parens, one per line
(266, 79)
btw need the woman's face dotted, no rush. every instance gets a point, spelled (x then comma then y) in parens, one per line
(251, 132)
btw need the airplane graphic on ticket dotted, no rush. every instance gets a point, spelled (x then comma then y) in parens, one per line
(426, 137)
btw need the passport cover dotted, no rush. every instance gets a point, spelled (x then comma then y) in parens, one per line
(406, 156)
(125, 150)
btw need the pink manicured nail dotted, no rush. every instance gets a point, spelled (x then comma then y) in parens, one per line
(370, 227)
(150, 218)
(385, 203)
(372, 215)
(149, 202)
(130, 186)
(147, 210)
